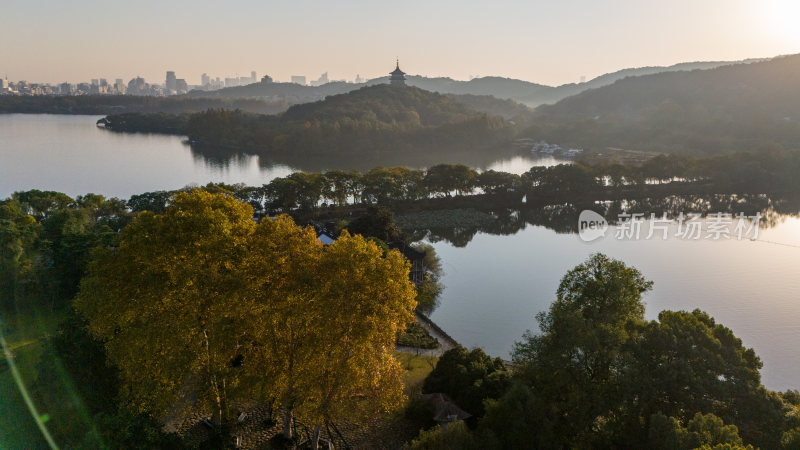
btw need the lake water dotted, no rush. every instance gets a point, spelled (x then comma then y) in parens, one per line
(70, 154)
(495, 285)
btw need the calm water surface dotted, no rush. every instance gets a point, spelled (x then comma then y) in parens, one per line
(70, 154)
(495, 285)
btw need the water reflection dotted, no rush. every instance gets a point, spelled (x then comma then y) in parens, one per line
(501, 160)
(564, 218)
(499, 274)
(70, 154)
(520, 164)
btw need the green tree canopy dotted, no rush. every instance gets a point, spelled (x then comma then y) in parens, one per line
(599, 375)
(447, 178)
(469, 377)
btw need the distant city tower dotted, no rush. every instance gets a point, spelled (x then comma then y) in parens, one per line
(397, 76)
(171, 81)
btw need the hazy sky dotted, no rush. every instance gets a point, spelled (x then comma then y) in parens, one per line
(549, 42)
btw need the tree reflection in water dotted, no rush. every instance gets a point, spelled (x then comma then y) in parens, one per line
(563, 218)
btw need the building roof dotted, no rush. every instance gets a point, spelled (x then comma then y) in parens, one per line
(397, 72)
(446, 409)
(325, 232)
(325, 239)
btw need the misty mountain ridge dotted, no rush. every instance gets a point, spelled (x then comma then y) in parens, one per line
(525, 92)
(727, 108)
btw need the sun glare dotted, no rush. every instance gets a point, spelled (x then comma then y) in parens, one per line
(781, 18)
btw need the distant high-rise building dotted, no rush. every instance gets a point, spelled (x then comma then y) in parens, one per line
(63, 88)
(170, 82)
(95, 82)
(359, 79)
(266, 79)
(253, 76)
(323, 79)
(137, 86)
(205, 80)
(3, 83)
(299, 79)
(398, 77)
(583, 78)
(181, 87)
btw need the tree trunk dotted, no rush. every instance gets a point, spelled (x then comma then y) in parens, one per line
(287, 424)
(214, 384)
(270, 411)
(315, 438)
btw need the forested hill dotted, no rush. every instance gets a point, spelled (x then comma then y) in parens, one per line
(507, 109)
(369, 122)
(500, 87)
(533, 94)
(736, 107)
(383, 107)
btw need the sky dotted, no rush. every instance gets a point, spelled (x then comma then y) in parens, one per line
(548, 42)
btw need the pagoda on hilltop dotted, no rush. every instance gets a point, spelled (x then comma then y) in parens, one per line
(398, 77)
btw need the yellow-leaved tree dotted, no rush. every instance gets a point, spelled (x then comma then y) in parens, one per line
(326, 323)
(283, 288)
(168, 306)
(201, 302)
(366, 298)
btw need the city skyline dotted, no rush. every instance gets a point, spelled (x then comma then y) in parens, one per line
(541, 42)
(205, 80)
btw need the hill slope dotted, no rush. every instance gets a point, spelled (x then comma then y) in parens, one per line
(369, 121)
(383, 107)
(735, 107)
